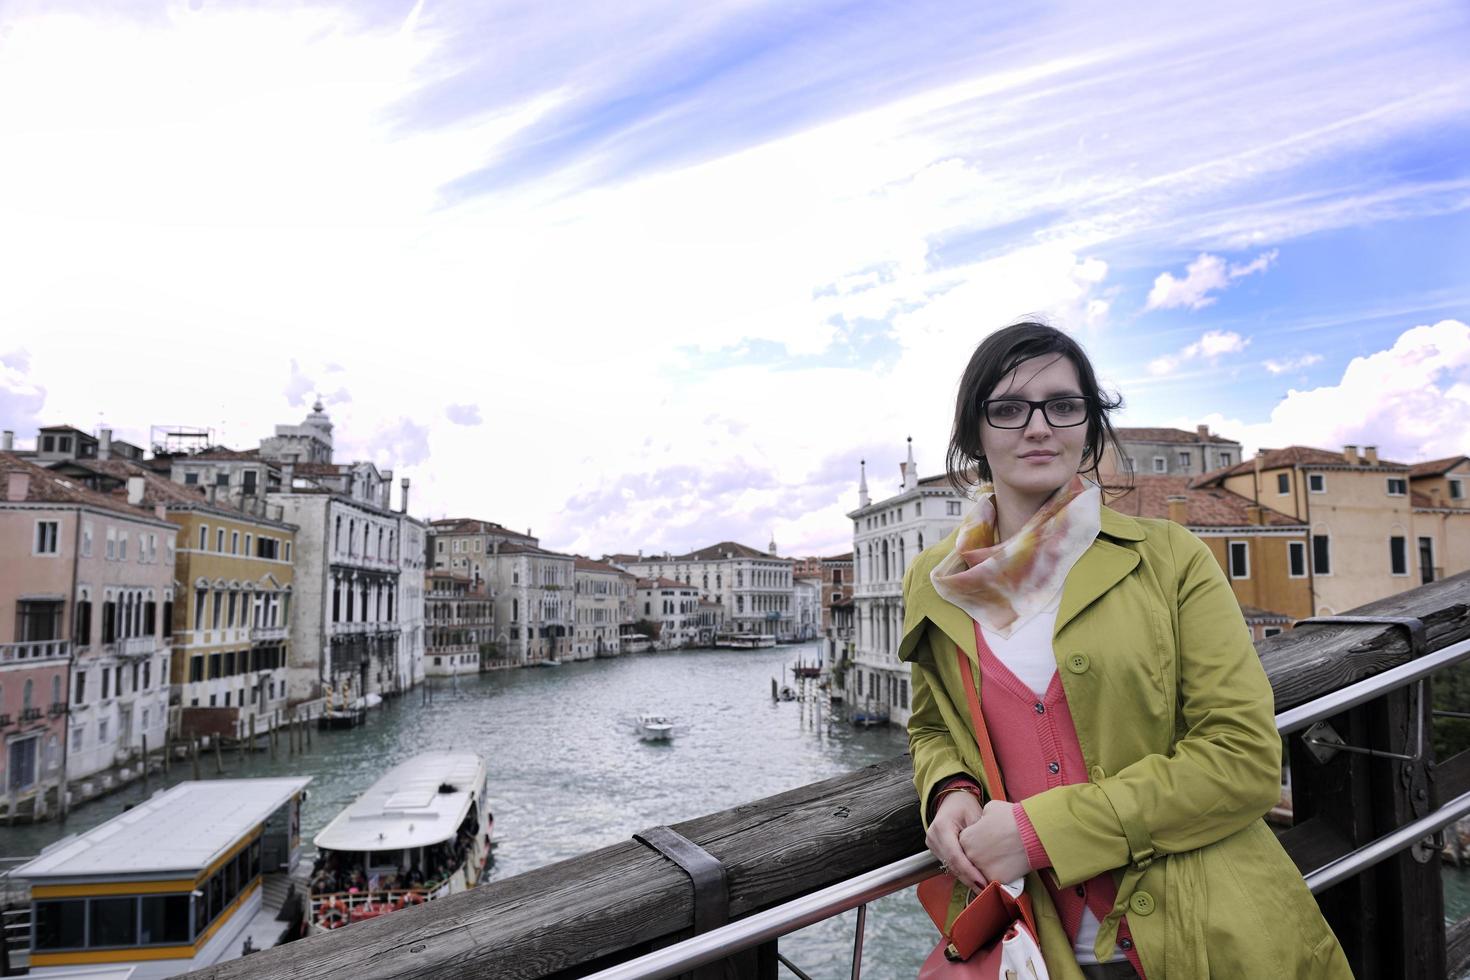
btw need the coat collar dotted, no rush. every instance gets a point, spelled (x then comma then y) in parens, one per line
(1101, 566)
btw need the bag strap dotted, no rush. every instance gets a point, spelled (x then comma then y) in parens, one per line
(995, 784)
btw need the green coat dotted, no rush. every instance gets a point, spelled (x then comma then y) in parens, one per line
(1175, 718)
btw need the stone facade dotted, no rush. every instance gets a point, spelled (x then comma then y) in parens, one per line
(1170, 452)
(754, 587)
(459, 616)
(603, 608)
(674, 606)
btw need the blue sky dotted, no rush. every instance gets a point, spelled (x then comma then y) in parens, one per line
(658, 274)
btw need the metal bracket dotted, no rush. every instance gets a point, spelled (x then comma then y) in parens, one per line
(1411, 625)
(706, 873)
(1324, 742)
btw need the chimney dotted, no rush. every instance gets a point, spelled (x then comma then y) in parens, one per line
(1178, 508)
(863, 499)
(1370, 454)
(288, 476)
(1350, 454)
(403, 504)
(104, 444)
(160, 512)
(910, 470)
(1253, 514)
(7, 441)
(18, 486)
(135, 489)
(1203, 432)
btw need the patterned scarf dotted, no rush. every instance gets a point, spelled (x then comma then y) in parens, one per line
(1003, 585)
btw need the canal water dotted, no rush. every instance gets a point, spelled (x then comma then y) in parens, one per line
(569, 775)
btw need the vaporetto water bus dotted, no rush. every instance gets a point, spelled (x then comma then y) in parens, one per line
(420, 832)
(192, 876)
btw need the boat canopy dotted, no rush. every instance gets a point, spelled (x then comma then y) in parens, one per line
(415, 804)
(176, 833)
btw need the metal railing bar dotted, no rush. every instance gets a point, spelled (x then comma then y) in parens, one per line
(792, 967)
(1336, 702)
(857, 942)
(1370, 854)
(775, 922)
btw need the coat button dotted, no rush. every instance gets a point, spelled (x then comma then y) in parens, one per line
(1078, 663)
(1142, 903)
(1097, 774)
(1125, 944)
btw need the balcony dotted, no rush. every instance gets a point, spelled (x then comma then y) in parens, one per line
(137, 646)
(35, 651)
(30, 714)
(267, 634)
(58, 708)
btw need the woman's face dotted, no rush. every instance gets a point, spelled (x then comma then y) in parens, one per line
(1035, 460)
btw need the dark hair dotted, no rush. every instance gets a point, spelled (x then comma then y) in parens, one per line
(997, 356)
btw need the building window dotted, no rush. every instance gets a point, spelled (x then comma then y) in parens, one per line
(47, 535)
(1296, 559)
(1457, 489)
(1270, 630)
(1398, 555)
(1161, 464)
(249, 483)
(1283, 483)
(219, 540)
(1240, 559)
(222, 479)
(204, 537)
(81, 692)
(952, 508)
(1397, 486)
(1225, 459)
(1321, 555)
(86, 539)
(1316, 483)
(234, 542)
(1184, 460)
(191, 479)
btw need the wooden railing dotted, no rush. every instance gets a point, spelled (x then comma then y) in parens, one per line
(604, 907)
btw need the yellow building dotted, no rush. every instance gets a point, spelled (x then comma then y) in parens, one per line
(1440, 493)
(1357, 508)
(1263, 551)
(232, 601)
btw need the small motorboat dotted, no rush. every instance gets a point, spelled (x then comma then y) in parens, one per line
(654, 728)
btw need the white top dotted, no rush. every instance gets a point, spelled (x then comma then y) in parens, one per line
(177, 832)
(416, 803)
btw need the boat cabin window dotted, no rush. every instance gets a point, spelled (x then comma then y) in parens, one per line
(61, 925)
(113, 922)
(165, 919)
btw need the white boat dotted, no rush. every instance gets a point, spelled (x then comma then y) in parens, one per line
(654, 728)
(422, 831)
(745, 641)
(190, 877)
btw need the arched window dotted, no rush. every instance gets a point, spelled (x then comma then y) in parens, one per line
(56, 689)
(26, 696)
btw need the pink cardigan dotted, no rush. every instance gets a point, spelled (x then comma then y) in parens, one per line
(1036, 745)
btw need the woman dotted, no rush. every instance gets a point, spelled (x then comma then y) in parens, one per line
(1127, 708)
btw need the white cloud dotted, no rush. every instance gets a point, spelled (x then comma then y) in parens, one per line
(464, 414)
(1285, 364)
(1211, 345)
(1412, 401)
(1206, 274)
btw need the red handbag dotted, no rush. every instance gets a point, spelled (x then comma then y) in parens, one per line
(995, 935)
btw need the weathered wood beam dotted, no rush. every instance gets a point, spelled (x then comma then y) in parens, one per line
(556, 918)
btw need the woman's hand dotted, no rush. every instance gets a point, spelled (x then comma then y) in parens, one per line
(957, 811)
(993, 844)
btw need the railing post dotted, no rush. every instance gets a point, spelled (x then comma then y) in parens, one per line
(1390, 919)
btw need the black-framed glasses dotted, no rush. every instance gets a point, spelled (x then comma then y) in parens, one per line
(1015, 413)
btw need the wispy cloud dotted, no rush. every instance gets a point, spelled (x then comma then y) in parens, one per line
(464, 414)
(1212, 345)
(1205, 275)
(1283, 365)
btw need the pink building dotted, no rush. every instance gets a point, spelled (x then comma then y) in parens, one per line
(83, 658)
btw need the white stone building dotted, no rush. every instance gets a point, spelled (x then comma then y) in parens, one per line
(807, 592)
(887, 535)
(754, 587)
(603, 606)
(535, 603)
(674, 606)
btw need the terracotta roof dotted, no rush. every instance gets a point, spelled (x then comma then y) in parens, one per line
(321, 469)
(664, 583)
(1254, 614)
(936, 482)
(715, 552)
(48, 487)
(159, 489)
(622, 558)
(224, 452)
(68, 428)
(847, 558)
(588, 565)
(1207, 507)
(1132, 434)
(1309, 456)
(470, 525)
(1436, 467)
(516, 548)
